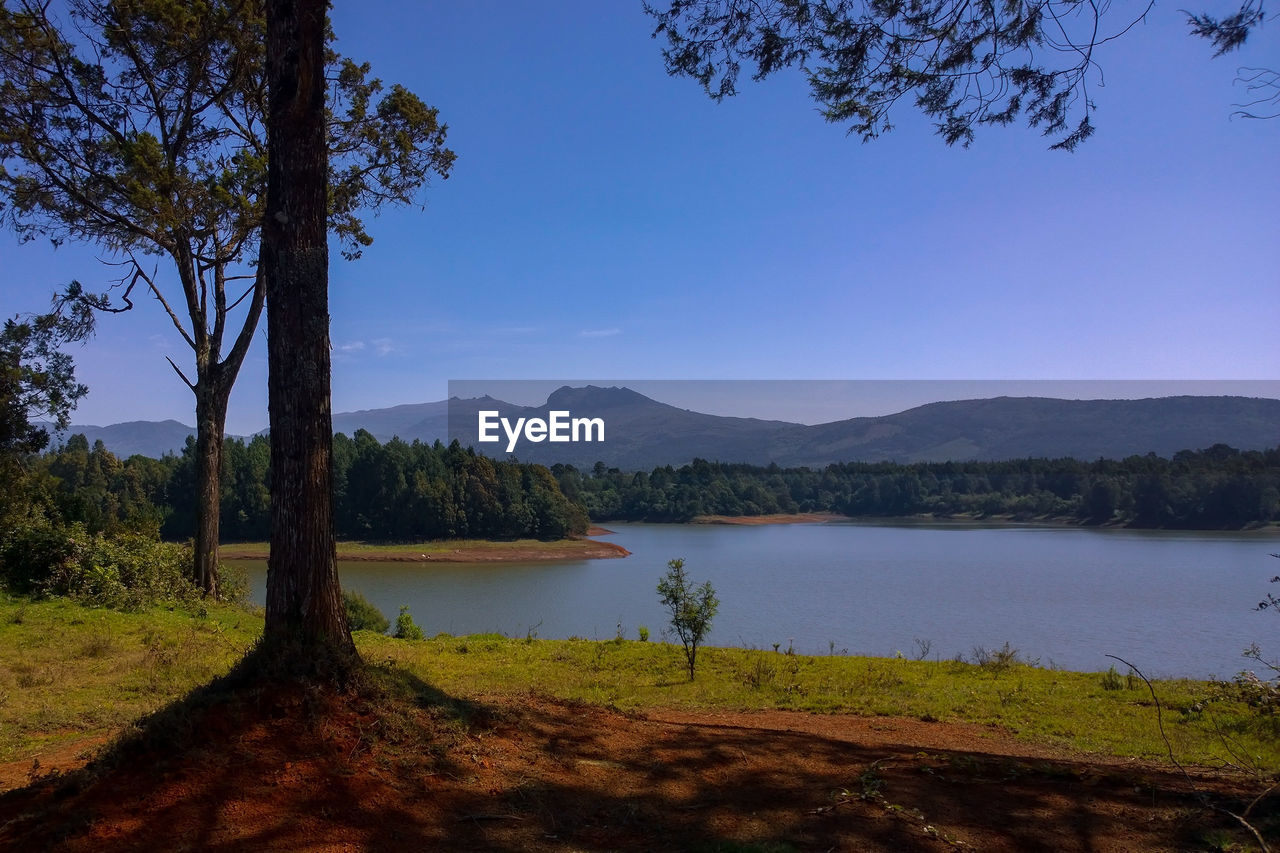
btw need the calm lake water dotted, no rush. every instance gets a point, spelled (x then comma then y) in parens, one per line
(1172, 603)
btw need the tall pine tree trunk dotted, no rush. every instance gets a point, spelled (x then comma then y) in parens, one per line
(211, 419)
(304, 601)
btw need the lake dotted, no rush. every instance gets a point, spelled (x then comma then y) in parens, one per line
(1173, 603)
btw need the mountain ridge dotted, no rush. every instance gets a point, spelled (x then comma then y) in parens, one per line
(643, 433)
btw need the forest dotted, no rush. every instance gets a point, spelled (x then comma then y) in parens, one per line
(386, 492)
(1219, 487)
(397, 491)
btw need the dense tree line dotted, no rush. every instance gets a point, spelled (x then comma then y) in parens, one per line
(1217, 487)
(399, 492)
(393, 491)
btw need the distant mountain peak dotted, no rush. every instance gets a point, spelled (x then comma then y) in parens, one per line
(596, 397)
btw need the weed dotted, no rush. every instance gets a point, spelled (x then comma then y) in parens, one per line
(1111, 680)
(29, 676)
(872, 782)
(98, 645)
(759, 673)
(1001, 659)
(643, 633)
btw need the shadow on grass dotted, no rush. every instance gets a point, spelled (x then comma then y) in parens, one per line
(334, 753)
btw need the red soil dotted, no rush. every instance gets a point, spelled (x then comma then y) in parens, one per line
(313, 771)
(482, 552)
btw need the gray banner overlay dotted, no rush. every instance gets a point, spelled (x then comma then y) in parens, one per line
(642, 424)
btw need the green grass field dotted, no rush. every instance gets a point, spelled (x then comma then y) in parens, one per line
(68, 672)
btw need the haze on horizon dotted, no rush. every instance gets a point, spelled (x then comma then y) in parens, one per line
(604, 219)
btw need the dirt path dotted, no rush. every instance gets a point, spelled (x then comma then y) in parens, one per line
(527, 773)
(62, 757)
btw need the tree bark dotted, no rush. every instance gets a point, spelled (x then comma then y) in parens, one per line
(304, 600)
(211, 419)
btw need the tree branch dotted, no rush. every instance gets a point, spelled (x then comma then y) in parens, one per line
(181, 375)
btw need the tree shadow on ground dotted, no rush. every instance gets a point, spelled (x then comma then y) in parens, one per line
(383, 760)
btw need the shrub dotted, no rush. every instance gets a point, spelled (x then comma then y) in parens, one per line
(233, 584)
(405, 627)
(126, 571)
(692, 608)
(1260, 694)
(1001, 659)
(643, 633)
(362, 615)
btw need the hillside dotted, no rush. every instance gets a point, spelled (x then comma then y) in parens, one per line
(642, 433)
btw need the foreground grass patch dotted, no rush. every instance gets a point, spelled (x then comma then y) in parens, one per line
(69, 672)
(1068, 709)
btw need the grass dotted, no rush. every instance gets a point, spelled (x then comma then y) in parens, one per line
(69, 672)
(1066, 709)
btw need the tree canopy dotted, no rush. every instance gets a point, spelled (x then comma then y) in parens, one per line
(964, 65)
(140, 126)
(37, 379)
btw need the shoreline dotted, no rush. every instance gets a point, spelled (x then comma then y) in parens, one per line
(991, 521)
(450, 551)
(1064, 522)
(775, 518)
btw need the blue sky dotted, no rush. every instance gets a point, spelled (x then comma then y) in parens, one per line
(604, 219)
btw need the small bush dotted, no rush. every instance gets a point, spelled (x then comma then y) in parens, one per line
(1259, 694)
(126, 572)
(1001, 659)
(405, 627)
(760, 672)
(233, 584)
(643, 633)
(362, 615)
(1111, 680)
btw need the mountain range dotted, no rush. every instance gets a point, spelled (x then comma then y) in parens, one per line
(642, 433)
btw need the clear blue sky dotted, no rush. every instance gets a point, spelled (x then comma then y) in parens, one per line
(607, 220)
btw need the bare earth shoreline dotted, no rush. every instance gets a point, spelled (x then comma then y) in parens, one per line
(588, 548)
(776, 518)
(459, 551)
(946, 520)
